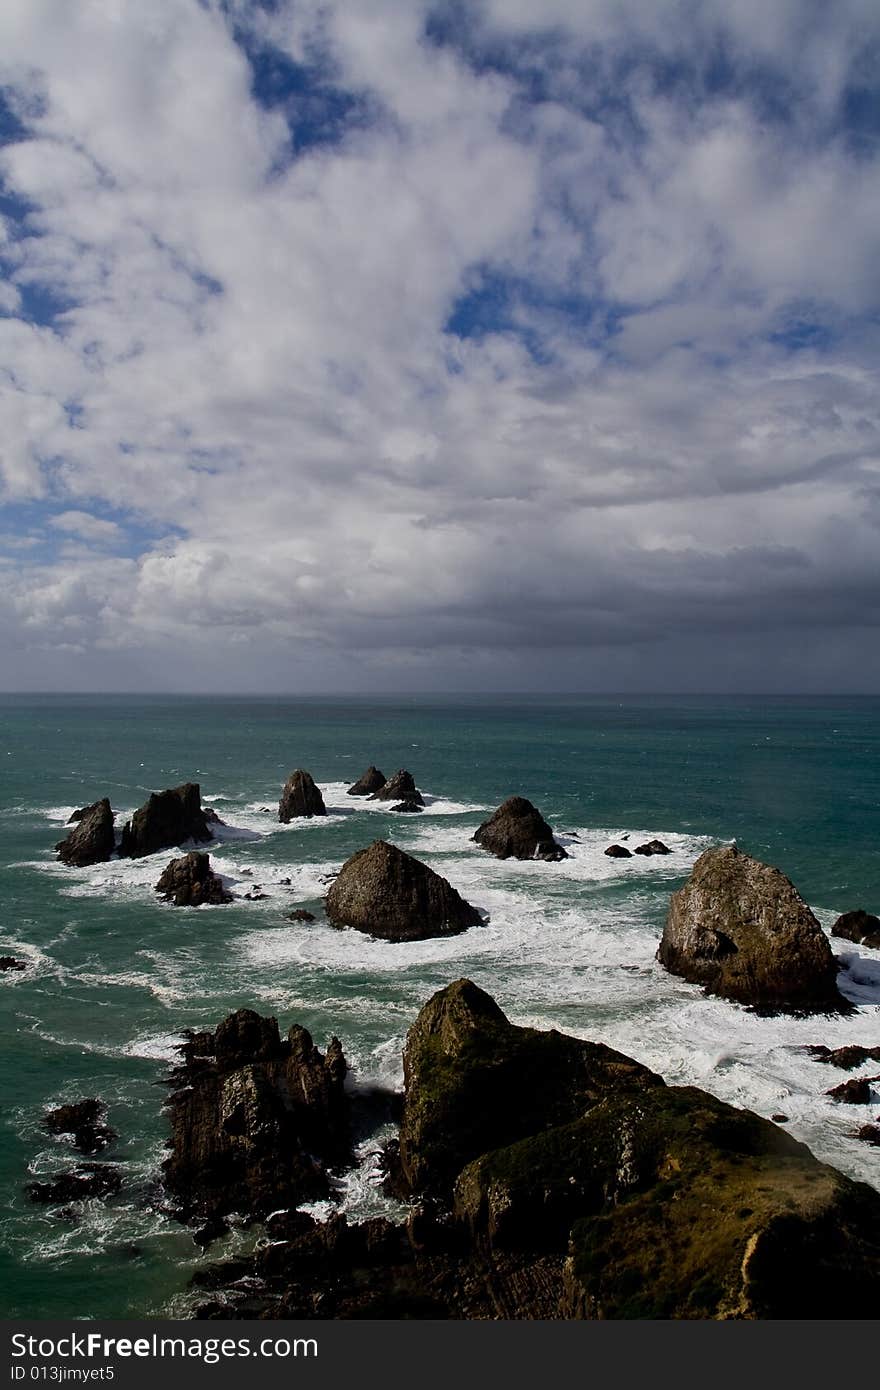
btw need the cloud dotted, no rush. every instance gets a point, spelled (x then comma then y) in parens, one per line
(254, 341)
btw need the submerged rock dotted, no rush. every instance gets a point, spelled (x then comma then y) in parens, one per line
(408, 806)
(618, 852)
(517, 830)
(86, 1181)
(387, 893)
(300, 797)
(652, 847)
(190, 882)
(859, 926)
(92, 840)
(741, 929)
(300, 914)
(369, 782)
(11, 963)
(400, 787)
(83, 1119)
(255, 1119)
(165, 820)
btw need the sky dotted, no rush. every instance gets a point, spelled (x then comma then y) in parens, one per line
(389, 345)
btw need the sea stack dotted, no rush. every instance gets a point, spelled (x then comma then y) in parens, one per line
(165, 820)
(741, 929)
(387, 893)
(300, 797)
(371, 781)
(400, 787)
(190, 881)
(517, 830)
(91, 841)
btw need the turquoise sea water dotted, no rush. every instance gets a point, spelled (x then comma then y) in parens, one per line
(114, 975)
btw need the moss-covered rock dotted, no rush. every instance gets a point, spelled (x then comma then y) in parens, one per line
(741, 929)
(474, 1081)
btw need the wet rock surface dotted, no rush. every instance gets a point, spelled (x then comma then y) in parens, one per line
(859, 926)
(84, 1121)
(190, 882)
(300, 797)
(165, 820)
(560, 1179)
(618, 852)
(89, 1180)
(741, 929)
(517, 830)
(92, 839)
(255, 1119)
(12, 963)
(387, 893)
(847, 1058)
(369, 782)
(855, 1092)
(652, 847)
(400, 787)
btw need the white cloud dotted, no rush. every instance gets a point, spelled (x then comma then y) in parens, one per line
(253, 355)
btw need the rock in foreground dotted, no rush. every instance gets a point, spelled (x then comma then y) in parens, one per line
(741, 929)
(190, 882)
(400, 787)
(300, 797)
(387, 893)
(91, 841)
(567, 1181)
(165, 820)
(371, 781)
(254, 1119)
(859, 926)
(517, 830)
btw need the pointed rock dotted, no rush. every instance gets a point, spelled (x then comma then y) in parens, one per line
(517, 830)
(300, 797)
(741, 928)
(91, 841)
(371, 781)
(386, 893)
(165, 820)
(400, 787)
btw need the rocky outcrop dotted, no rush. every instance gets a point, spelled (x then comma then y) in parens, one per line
(400, 787)
(565, 1180)
(387, 893)
(84, 1121)
(300, 797)
(371, 781)
(255, 1119)
(92, 840)
(853, 1055)
(190, 882)
(741, 929)
(652, 847)
(88, 1181)
(855, 1092)
(11, 963)
(408, 807)
(474, 1081)
(859, 926)
(618, 852)
(517, 830)
(165, 820)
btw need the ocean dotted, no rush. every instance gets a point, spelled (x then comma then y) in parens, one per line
(113, 974)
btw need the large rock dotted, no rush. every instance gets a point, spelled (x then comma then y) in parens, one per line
(166, 819)
(517, 830)
(741, 928)
(474, 1081)
(385, 892)
(300, 797)
(91, 841)
(371, 781)
(255, 1119)
(859, 926)
(400, 787)
(190, 882)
